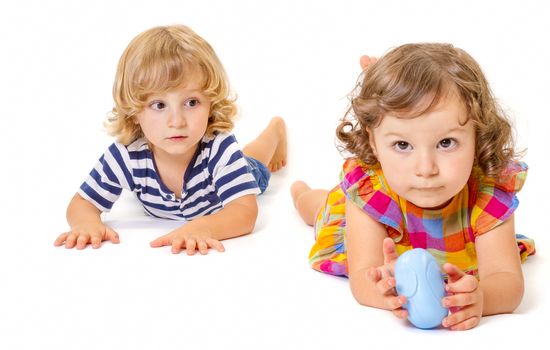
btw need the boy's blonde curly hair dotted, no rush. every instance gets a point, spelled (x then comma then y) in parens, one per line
(413, 78)
(160, 59)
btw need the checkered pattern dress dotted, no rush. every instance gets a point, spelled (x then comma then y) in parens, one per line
(448, 234)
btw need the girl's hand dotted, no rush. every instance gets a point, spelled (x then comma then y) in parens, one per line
(465, 300)
(192, 241)
(382, 276)
(81, 235)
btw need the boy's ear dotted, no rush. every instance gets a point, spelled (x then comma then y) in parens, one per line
(372, 144)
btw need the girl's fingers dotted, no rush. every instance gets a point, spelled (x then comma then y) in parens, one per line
(453, 272)
(395, 302)
(459, 300)
(388, 249)
(386, 286)
(462, 320)
(401, 313)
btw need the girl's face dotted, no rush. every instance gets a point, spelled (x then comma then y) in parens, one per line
(175, 121)
(427, 159)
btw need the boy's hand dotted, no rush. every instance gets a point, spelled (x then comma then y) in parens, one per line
(465, 299)
(81, 235)
(385, 282)
(189, 237)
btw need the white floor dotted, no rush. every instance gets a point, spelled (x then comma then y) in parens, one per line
(289, 58)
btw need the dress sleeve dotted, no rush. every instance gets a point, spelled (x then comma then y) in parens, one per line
(496, 198)
(365, 186)
(229, 168)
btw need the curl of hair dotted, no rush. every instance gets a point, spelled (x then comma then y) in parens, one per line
(161, 59)
(413, 79)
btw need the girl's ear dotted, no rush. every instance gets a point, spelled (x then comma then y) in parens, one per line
(372, 144)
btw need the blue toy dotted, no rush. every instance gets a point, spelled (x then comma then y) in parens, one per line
(418, 278)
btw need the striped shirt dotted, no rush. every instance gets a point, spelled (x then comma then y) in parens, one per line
(217, 174)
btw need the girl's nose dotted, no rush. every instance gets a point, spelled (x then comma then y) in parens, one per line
(426, 165)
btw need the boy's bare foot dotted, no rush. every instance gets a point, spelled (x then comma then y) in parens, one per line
(278, 160)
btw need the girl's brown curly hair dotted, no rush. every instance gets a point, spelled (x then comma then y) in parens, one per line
(160, 59)
(411, 79)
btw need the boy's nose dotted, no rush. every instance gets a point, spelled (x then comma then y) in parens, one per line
(176, 119)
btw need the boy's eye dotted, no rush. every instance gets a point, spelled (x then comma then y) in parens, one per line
(402, 146)
(447, 143)
(192, 102)
(157, 105)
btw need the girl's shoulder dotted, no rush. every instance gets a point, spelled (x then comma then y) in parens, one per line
(511, 179)
(365, 185)
(493, 199)
(357, 175)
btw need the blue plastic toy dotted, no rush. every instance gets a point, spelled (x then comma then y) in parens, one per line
(418, 277)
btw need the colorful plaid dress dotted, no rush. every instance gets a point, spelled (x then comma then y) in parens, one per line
(448, 234)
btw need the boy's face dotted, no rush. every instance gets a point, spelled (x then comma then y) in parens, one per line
(427, 159)
(175, 121)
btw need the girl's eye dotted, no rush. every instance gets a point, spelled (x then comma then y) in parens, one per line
(192, 102)
(402, 146)
(157, 105)
(447, 143)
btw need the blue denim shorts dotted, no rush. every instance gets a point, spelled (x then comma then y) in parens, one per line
(260, 172)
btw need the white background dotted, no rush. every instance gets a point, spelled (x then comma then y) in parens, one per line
(298, 59)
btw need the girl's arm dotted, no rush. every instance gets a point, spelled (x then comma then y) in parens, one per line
(86, 226)
(370, 267)
(235, 219)
(499, 266)
(500, 286)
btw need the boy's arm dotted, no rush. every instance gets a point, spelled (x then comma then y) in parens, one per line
(236, 219)
(81, 211)
(86, 226)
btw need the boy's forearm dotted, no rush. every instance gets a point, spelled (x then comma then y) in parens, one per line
(81, 211)
(502, 293)
(232, 221)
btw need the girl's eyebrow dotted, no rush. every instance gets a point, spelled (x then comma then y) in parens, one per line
(457, 129)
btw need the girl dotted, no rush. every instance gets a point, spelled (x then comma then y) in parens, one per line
(174, 150)
(432, 167)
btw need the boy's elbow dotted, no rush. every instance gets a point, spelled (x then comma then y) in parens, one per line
(250, 215)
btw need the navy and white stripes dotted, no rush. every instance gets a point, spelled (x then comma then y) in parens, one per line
(217, 174)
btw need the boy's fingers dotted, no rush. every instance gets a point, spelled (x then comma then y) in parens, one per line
(214, 243)
(82, 241)
(112, 236)
(61, 239)
(161, 241)
(191, 245)
(96, 241)
(202, 247)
